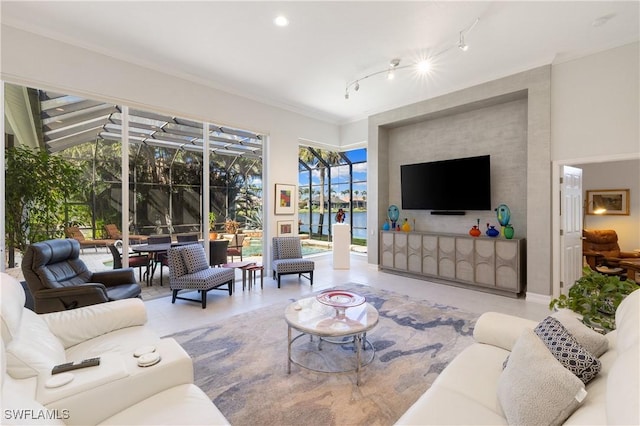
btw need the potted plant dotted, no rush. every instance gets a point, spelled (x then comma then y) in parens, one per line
(213, 235)
(231, 226)
(596, 297)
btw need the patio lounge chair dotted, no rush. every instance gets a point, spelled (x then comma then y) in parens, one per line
(75, 233)
(114, 233)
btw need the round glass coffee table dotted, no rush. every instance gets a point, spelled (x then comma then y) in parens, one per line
(338, 317)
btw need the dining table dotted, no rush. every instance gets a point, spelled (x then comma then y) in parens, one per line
(154, 250)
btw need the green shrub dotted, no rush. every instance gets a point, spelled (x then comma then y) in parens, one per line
(596, 297)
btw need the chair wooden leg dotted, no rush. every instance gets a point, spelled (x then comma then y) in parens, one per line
(279, 280)
(204, 298)
(175, 293)
(311, 277)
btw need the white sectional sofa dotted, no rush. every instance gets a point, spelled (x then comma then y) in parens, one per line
(118, 391)
(476, 389)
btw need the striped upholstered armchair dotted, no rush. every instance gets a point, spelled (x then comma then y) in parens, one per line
(286, 255)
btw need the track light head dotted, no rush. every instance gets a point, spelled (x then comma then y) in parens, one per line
(357, 86)
(394, 63)
(461, 44)
(423, 66)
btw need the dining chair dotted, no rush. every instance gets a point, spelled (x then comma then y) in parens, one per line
(135, 261)
(159, 258)
(235, 246)
(187, 238)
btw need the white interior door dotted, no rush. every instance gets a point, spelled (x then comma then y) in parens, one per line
(570, 227)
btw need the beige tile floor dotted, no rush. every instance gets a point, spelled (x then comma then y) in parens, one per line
(167, 318)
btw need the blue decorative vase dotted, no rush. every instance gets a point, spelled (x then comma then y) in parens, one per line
(492, 232)
(504, 214)
(385, 227)
(394, 213)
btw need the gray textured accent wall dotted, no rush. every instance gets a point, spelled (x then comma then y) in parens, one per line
(499, 131)
(521, 103)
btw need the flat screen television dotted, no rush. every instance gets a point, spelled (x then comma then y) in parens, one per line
(460, 184)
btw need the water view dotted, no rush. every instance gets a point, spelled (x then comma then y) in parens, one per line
(358, 223)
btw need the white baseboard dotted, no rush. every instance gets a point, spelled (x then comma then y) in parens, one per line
(543, 299)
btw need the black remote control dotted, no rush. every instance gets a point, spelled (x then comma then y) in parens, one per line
(62, 368)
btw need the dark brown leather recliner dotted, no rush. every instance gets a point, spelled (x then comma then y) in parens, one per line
(59, 280)
(600, 247)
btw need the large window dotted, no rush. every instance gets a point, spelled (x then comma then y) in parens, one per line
(330, 181)
(165, 172)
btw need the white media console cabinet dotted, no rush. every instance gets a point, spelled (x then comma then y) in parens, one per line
(490, 264)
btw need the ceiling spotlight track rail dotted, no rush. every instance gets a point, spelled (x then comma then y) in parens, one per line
(422, 66)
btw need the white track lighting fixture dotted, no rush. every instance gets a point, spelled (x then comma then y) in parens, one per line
(422, 66)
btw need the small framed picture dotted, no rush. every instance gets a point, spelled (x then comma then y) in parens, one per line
(285, 228)
(608, 201)
(285, 199)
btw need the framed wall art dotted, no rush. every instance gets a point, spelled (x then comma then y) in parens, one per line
(285, 199)
(285, 228)
(608, 201)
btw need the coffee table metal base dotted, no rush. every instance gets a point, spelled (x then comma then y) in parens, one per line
(358, 342)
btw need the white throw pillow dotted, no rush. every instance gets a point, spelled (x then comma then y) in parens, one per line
(534, 388)
(33, 349)
(592, 341)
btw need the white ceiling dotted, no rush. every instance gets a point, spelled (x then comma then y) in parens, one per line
(234, 46)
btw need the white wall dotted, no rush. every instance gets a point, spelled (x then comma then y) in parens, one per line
(595, 105)
(39, 62)
(595, 117)
(616, 175)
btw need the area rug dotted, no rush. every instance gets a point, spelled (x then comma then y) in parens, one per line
(241, 364)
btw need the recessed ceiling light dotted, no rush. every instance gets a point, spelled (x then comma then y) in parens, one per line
(281, 21)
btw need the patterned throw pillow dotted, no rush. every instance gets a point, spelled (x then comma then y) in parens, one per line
(194, 258)
(289, 248)
(566, 349)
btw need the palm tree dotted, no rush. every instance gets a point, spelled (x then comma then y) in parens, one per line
(321, 160)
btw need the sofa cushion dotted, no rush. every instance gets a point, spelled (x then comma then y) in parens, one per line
(592, 341)
(184, 405)
(12, 300)
(442, 406)
(566, 349)
(194, 258)
(33, 349)
(627, 319)
(535, 388)
(289, 248)
(80, 325)
(623, 388)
